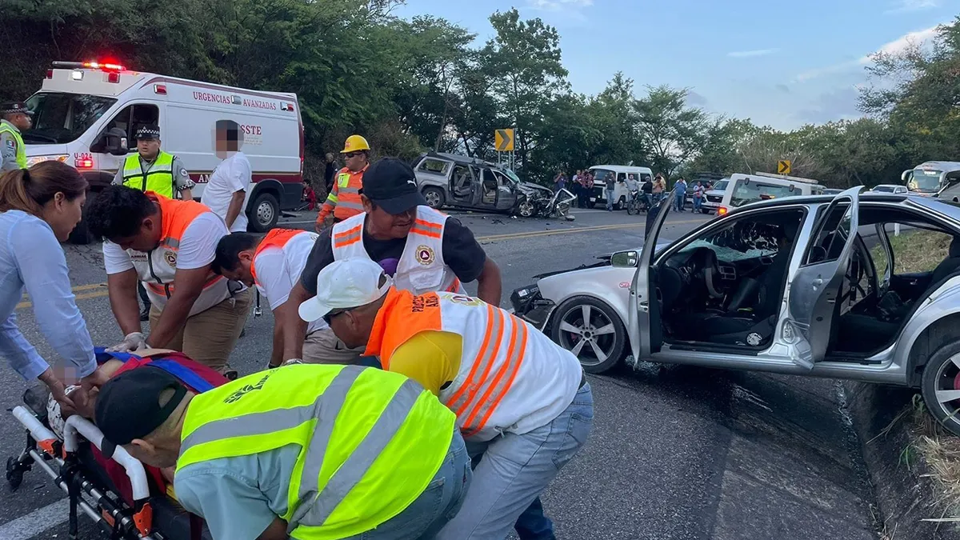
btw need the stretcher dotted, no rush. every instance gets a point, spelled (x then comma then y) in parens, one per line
(72, 466)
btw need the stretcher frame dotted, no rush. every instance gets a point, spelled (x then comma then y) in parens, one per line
(61, 462)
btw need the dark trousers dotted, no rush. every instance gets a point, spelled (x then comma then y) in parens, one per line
(143, 294)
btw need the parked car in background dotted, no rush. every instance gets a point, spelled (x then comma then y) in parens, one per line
(713, 197)
(465, 182)
(743, 189)
(786, 286)
(890, 188)
(621, 193)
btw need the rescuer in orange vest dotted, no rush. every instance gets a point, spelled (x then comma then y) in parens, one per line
(344, 198)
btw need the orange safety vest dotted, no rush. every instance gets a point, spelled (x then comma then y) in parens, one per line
(276, 238)
(157, 268)
(510, 374)
(344, 199)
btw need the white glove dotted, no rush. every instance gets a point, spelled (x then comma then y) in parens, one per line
(292, 361)
(133, 341)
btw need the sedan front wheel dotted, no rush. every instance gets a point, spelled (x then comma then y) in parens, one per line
(591, 330)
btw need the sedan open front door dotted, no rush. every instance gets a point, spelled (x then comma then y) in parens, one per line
(815, 287)
(646, 334)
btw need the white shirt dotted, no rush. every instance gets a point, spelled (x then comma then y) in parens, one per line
(31, 258)
(279, 269)
(198, 247)
(232, 175)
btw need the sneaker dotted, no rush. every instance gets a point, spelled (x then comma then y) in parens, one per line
(145, 314)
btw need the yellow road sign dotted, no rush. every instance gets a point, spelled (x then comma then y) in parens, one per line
(503, 140)
(784, 166)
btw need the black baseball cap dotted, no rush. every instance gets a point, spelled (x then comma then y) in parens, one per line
(391, 184)
(128, 406)
(148, 132)
(12, 107)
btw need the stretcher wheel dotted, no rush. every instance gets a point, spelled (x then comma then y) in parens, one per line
(14, 473)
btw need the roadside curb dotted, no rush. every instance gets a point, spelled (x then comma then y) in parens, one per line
(904, 492)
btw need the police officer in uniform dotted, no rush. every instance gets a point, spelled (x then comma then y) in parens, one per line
(152, 169)
(14, 119)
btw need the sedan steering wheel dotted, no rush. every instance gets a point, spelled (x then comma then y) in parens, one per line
(702, 265)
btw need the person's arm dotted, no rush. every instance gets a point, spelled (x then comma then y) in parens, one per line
(118, 178)
(198, 247)
(8, 153)
(20, 354)
(295, 328)
(328, 205)
(182, 182)
(464, 255)
(431, 358)
(280, 316)
(275, 283)
(231, 504)
(239, 177)
(43, 269)
(490, 283)
(236, 204)
(122, 288)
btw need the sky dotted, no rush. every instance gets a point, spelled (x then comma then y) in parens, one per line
(779, 63)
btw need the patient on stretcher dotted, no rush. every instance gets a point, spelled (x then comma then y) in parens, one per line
(195, 376)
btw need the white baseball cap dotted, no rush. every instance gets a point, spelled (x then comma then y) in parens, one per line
(345, 284)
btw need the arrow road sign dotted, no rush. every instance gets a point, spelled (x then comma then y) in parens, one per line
(503, 140)
(783, 166)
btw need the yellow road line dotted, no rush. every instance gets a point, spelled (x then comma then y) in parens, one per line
(91, 286)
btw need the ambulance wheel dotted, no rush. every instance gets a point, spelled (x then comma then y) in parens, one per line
(81, 233)
(14, 473)
(264, 213)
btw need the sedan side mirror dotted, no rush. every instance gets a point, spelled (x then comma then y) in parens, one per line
(625, 259)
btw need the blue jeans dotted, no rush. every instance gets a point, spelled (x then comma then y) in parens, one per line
(436, 506)
(609, 195)
(679, 202)
(514, 469)
(697, 202)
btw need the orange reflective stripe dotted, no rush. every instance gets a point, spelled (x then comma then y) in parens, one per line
(428, 225)
(501, 384)
(488, 350)
(275, 238)
(348, 202)
(350, 236)
(455, 287)
(425, 232)
(401, 317)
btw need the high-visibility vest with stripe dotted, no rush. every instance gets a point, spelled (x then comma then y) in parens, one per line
(158, 267)
(344, 198)
(371, 441)
(7, 127)
(296, 246)
(510, 374)
(421, 268)
(158, 179)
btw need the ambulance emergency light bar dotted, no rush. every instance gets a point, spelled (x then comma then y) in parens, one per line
(89, 65)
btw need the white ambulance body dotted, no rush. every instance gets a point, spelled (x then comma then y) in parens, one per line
(86, 114)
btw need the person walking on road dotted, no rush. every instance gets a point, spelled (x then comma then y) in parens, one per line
(226, 192)
(14, 120)
(305, 452)
(274, 263)
(39, 207)
(680, 194)
(697, 196)
(659, 187)
(329, 171)
(522, 402)
(152, 169)
(169, 245)
(343, 202)
(610, 186)
(423, 249)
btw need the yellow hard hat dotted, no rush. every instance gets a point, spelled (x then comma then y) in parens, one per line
(355, 143)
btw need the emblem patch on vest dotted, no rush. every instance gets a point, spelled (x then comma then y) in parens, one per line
(247, 388)
(171, 258)
(425, 255)
(465, 300)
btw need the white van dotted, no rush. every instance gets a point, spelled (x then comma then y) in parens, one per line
(85, 114)
(934, 179)
(620, 194)
(744, 189)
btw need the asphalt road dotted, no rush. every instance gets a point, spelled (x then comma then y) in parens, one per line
(676, 452)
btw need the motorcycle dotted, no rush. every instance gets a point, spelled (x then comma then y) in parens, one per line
(638, 203)
(539, 205)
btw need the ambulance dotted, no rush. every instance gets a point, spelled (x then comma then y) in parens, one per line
(86, 114)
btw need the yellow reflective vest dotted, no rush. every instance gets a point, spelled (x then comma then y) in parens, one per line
(158, 179)
(371, 440)
(6, 127)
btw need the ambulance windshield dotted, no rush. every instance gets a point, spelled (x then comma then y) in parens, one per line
(61, 118)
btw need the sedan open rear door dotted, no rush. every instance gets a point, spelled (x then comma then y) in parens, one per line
(816, 286)
(646, 334)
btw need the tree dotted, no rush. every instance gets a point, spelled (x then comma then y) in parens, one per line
(672, 131)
